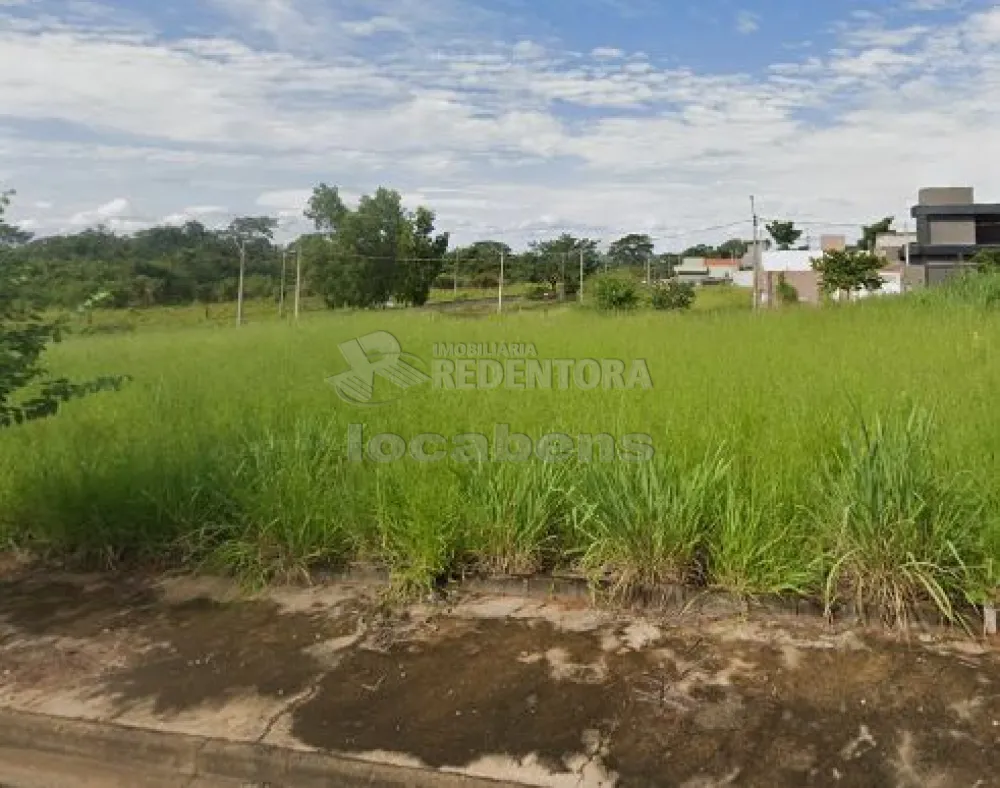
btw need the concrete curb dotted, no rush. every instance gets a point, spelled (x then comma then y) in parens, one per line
(196, 760)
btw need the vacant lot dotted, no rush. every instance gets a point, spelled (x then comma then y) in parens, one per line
(845, 453)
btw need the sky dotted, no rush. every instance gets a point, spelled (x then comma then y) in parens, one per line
(511, 119)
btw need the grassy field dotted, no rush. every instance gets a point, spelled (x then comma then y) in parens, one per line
(849, 452)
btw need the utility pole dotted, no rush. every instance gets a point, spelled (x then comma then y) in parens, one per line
(649, 270)
(239, 295)
(581, 274)
(456, 276)
(756, 253)
(281, 295)
(500, 292)
(298, 281)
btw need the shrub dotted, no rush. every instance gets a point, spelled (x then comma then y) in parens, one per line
(786, 292)
(537, 293)
(673, 295)
(988, 261)
(616, 292)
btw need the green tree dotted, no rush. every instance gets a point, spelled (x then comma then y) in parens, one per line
(557, 261)
(376, 250)
(479, 264)
(870, 232)
(632, 250)
(423, 258)
(26, 392)
(256, 232)
(326, 209)
(849, 270)
(734, 248)
(785, 234)
(701, 250)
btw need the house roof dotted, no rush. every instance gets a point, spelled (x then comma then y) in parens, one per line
(791, 260)
(722, 262)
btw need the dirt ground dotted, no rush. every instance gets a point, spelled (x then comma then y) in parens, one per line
(542, 692)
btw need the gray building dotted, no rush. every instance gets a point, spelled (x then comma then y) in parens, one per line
(951, 229)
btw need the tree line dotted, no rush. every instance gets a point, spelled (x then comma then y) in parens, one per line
(361, 255)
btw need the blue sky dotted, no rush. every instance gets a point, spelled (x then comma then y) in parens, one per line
(512, 118)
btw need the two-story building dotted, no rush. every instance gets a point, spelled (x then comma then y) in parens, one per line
(951, 229)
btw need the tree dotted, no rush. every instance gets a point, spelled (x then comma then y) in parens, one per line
(326, 210)
(631, 250)
(10, 235)
(557, 261)
(422, 261)
(849, 270)
(252, 230)
(734, 248)
(701, 250)
(785, 234)
(478, 265)
(26, 393)
(364, 255)
(870, 232)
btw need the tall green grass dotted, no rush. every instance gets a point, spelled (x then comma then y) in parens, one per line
(789, 458)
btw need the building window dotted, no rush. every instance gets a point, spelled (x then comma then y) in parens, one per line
(988, 231)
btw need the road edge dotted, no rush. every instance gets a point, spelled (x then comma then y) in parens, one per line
(169, 754)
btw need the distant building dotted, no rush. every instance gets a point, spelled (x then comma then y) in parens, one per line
(951, 229)
(795, 267)
(892, 247)
(692, 269)
(832, 242)
(722, 269)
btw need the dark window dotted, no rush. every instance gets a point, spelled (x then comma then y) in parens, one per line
(988, 230)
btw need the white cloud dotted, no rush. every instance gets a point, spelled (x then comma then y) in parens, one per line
(747, 22)
(283, 20)
(207, 214)
(117, 208)
(374, 25)
(934, 5)
(475, 124)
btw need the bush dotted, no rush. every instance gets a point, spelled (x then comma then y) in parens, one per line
(616, 292)
(787, 294)
(537, 293)
(988, 261)
(673, 295)
(485, 281)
